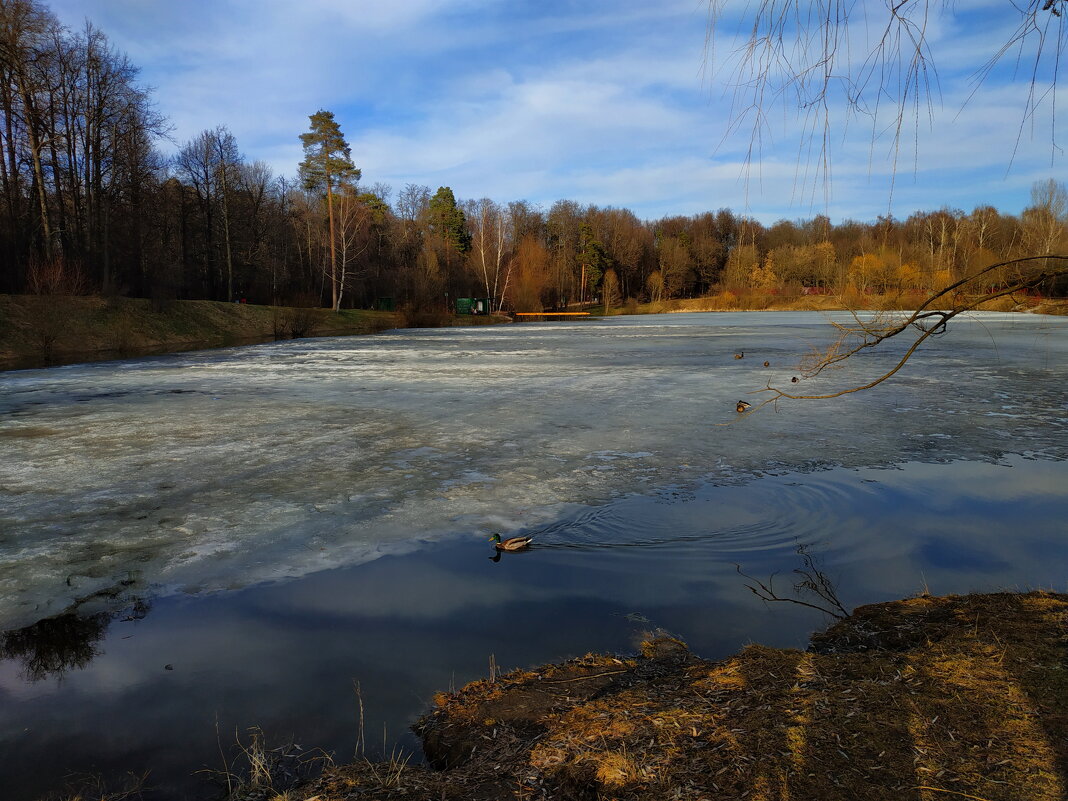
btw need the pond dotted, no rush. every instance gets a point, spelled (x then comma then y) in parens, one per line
(196, 544)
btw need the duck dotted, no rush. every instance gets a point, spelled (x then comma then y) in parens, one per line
(794, 380)
(740, 354)
(767, 364)
(743, 406)
(510, 544)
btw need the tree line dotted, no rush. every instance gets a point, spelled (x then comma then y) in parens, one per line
(91, 204)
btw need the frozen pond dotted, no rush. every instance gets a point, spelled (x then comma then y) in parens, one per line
(273, 521)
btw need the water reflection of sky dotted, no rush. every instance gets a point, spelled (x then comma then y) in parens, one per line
(303, 514)
(203, 472)
(284, 656)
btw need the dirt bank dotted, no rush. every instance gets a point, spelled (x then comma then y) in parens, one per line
(927, 699)
(37, 331)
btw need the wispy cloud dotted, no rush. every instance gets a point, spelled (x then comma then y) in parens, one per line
(602, 102)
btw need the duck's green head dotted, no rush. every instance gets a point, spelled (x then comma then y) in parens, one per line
(496, 537)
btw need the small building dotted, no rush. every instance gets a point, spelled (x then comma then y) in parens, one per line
(474, 305)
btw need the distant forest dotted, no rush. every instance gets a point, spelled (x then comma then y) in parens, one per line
(91, 205)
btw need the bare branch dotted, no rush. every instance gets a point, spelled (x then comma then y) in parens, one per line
(926, 320)
(813, 580)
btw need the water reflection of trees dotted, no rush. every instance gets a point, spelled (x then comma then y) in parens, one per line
(68, 641)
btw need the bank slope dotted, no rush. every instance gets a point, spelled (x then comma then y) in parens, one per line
(927, 699)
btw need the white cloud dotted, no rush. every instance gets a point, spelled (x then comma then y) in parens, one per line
(603, 103)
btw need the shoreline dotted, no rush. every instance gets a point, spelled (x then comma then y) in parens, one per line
(926, 698)
(39, 331)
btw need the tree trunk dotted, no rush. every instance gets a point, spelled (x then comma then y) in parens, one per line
(226, 238)
(333, 258)
(38, 172)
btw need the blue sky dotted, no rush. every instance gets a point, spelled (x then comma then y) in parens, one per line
(602, 101)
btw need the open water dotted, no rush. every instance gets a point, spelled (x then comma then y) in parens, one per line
(194, 544)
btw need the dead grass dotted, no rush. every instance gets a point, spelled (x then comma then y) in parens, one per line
(728, 300)
(923, 699)
(59, 329)
(131, 787)
(253, 770)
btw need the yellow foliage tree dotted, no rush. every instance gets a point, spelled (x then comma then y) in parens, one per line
(763, 277)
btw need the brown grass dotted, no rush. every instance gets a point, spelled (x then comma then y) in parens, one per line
(41, 330)
(923, 699)
(747, 300)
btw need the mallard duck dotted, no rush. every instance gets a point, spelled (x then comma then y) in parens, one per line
(510, 544)
(794, 380)
(743, 406)
(740, 354)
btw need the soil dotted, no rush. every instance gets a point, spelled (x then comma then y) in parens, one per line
(925, 698)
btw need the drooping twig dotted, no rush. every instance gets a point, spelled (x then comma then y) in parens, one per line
(813, 580)
(926, 319)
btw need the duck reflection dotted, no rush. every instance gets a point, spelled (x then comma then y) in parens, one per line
(511, 545)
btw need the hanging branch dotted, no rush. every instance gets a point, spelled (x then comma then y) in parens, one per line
(928, 321)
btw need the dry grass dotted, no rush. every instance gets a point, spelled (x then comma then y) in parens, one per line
(131, 787)
(59, 329)
(924, 699)
(727, 300)
(255, 771)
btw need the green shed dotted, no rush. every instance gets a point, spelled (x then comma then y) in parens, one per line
(474, 305)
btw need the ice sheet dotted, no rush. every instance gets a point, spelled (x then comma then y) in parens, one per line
(205, 471)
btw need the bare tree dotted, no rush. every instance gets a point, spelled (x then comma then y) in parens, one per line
(227, 166)
(210, 163)
(489, 244)
(352, 219)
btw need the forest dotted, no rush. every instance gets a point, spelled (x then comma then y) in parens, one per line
(92, 203)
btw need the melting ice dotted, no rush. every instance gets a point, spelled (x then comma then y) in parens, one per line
(213, 470)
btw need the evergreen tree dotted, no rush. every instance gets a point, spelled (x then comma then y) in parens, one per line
(327, 164)
(593, 260)
(447, 220)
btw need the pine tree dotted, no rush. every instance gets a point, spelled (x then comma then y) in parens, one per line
(448, 220)
(327, 164)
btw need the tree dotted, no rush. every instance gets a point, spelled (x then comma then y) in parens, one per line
(327, 164)
(489, 243)
(530, 270)
(609, 290)
(448, 221)
(808, 55)
(210, 163)
(593, 260)
(354, 217)
(675, 264)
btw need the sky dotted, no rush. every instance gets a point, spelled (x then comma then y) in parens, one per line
(608, 102)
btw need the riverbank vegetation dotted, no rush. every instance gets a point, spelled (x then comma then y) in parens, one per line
(90, 205)
(41, 330)
(926, 699)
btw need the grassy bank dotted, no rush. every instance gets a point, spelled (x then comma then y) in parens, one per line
(758, 301)
(927, 699)
(43, 330)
